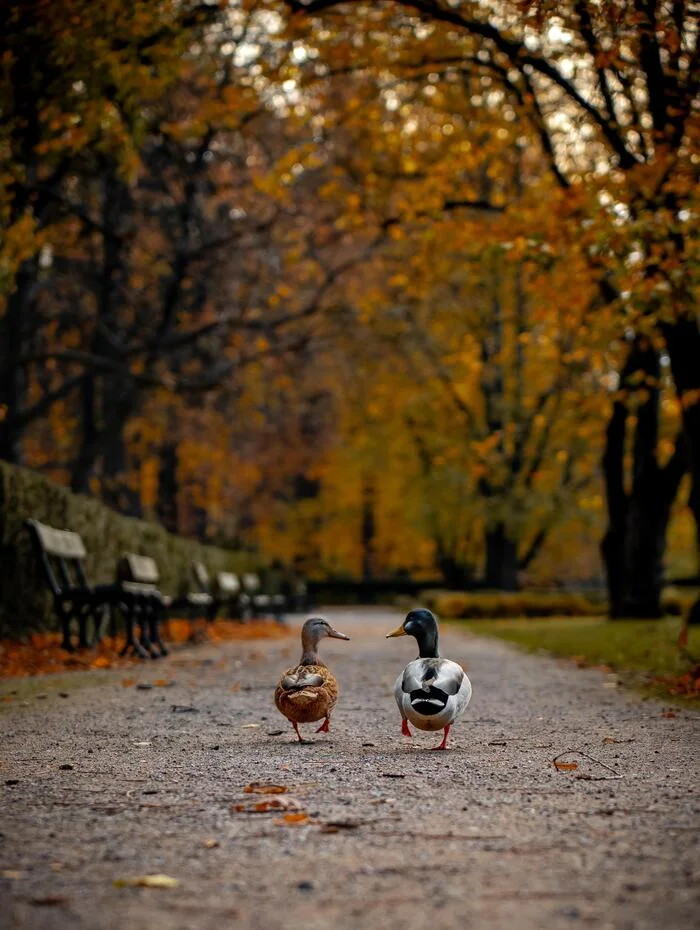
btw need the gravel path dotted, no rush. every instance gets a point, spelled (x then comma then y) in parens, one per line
(112, 782)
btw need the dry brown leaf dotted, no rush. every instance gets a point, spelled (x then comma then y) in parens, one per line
(236, 687)
(335, 826)
(147, 881)
(267, 806)
(49, 900)
(566, 766)
(101, 662)
(259, 787)
(210, 844)
(294, 819)
(128, 682)
(11, 873)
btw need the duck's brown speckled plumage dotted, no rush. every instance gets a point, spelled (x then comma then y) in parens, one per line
(307, 703)
(309, 691)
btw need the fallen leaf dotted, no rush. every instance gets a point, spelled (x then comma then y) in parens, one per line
(147, 881)
(210, 844)
(128, 682)
(566, 766)
(163, 683)
(258, 787)
(265, 807)
(101, 662)
(293, 819)
(11, 873)
(611, 739)
(236, 687)
(49, 900)
(335, 826)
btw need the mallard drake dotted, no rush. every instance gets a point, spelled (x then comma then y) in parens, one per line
(431, 692)
(309, 691)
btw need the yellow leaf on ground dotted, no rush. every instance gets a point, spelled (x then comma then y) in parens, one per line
(147, 881)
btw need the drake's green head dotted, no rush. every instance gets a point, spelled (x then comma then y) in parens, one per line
(423, 626)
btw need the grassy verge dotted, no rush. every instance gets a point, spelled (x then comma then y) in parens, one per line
(643, 653)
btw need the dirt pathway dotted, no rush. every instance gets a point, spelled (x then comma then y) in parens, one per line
(112, 782)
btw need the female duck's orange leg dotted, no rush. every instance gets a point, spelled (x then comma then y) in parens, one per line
(443, 744)
(324, 728)
(296, 728)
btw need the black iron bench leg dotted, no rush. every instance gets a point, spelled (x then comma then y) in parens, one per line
(99, 619)
(155, 618)
(145, 622)
(131, 643)
(83, 638)
(65, 614)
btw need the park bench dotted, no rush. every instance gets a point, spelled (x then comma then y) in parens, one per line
(225, 590)
(61, 554)
(143, 570)
(263, 603)
(139, 573)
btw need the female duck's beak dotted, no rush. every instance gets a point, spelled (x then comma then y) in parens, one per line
(399, 631)
(336, 634)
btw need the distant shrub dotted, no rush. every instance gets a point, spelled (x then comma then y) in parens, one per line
(494, 605)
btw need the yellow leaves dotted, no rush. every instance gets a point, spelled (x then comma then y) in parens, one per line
(147, 881)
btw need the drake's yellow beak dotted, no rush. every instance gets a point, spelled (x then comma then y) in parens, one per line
(399, 631)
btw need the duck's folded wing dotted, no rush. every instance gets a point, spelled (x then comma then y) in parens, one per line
(299, 682)
(441, 674)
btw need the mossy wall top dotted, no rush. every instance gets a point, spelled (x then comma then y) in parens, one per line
(25, 603)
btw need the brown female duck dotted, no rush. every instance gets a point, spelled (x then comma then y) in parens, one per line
(309, 691)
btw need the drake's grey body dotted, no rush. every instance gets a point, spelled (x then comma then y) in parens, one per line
(432, 693)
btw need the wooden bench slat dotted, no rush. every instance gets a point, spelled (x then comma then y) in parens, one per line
(63, 544)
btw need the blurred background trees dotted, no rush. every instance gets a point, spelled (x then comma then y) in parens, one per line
(376, 288)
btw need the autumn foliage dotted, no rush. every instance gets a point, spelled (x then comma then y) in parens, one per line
(370, 289)
(41, 653)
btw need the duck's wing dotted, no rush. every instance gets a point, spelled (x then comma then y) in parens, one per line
(299, 678)
(426, 674)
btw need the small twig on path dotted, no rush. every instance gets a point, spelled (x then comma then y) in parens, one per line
(559, 766)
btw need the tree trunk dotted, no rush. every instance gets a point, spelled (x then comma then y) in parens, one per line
(455, 574)
(501, 570)
(635, 541)
(168, 488)
(13, 328)
(683, 344)
(368, 528)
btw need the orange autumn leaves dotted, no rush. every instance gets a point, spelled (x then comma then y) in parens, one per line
(41, 653)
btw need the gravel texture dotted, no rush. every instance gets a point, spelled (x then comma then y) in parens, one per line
(110, 782)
